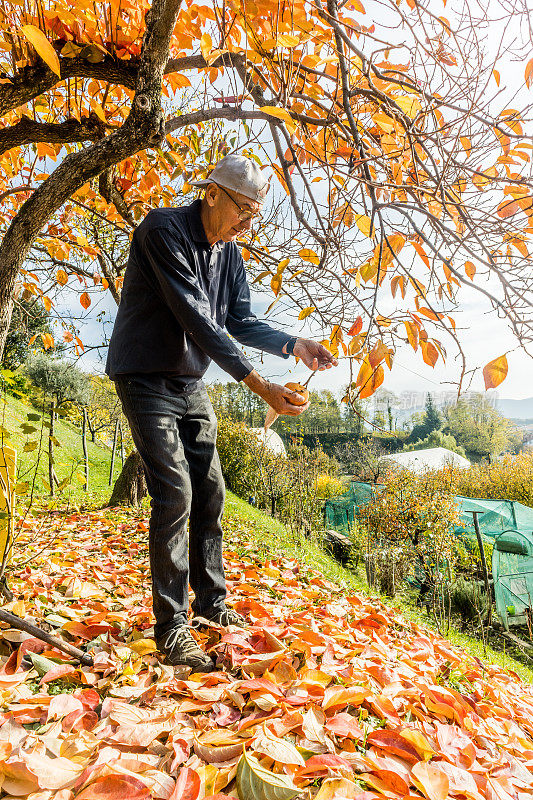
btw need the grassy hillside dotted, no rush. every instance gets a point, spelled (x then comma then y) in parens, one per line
(20, 431)
(273, 540)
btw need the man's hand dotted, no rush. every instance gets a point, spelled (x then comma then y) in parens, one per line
(279, 397)
(314, 355)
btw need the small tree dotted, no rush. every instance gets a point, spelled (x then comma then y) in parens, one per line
(362, 459)
(479, 427)
(61, 384)
(431, 421)
(410, 523)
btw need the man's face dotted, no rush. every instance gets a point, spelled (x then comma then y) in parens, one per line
(227, 207)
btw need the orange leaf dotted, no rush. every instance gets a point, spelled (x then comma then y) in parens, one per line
(85, 300)
(529, 72)
(61, 277)
(377, 354)
(421, 252)
(187, 786)
(373, 383)
(470, 269)
(116, 787)
(412, 334)
(495, 372)
(467, 144)
(507, 208)
(43, 47)
(430, 354)
(356, 327)
(431, 781)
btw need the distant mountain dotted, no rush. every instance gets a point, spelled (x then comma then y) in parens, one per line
(516, 409)
(408, 403)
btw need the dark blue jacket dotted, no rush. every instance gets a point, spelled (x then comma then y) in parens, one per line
(179, 294)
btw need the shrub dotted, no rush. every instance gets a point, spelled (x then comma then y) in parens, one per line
(509, 478)
(414, 514)
(286, 487)
(327, 486)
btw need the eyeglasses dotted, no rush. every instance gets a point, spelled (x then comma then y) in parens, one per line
(243, 215)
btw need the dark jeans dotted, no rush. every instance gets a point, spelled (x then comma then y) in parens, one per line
(175, 436)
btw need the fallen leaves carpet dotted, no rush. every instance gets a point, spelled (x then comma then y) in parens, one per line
(327, 694)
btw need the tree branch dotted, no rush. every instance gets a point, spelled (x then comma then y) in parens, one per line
(28, 130)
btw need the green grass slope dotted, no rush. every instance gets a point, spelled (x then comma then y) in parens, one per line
(32, 464)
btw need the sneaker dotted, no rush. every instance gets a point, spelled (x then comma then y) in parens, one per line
(225, 617)
(180, 649)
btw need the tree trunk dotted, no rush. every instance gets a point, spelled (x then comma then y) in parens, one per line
(130, 486)
(85, 452)
(113, 451)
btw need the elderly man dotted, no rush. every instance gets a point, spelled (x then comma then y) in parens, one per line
(184, 283)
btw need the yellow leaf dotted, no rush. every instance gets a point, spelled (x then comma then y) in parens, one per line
(363, 223)
(410, 105)
(279, 113)
(143, 646)
(47, 303)
(495, 372)
(206, 45)
(309, 255)
(43, 47)
(306, 311)
(98, 110)
(385, 122)
(276, 284)
(287, 40)
(419, 742)
(282, 264)
(48, 341)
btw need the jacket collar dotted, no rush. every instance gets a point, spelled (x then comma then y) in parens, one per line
(195, 224)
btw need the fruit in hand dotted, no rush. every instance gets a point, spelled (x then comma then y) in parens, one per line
(297, 387)
(272, 415)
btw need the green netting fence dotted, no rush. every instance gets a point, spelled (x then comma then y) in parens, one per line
(505, 525)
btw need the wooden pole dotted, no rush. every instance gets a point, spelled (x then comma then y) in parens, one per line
(21, 625)
(51, 475)
(113, 451)
(85, 451)
(121, 444)
(483, 566)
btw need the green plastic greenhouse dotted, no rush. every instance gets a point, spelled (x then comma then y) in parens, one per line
(505, 525)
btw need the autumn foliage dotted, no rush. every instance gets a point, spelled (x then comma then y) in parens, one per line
(328, 694)
(400, 174)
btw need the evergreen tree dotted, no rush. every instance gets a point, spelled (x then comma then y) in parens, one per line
(431, 421)
(29, 318)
